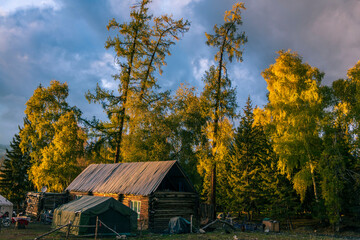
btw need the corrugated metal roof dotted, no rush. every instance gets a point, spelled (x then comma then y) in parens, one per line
(138, 178)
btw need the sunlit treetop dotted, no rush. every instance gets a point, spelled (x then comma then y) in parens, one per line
(226, 37)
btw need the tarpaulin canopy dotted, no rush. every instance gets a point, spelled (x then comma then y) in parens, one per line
(178, 225)
(84, 211)
(5, 206)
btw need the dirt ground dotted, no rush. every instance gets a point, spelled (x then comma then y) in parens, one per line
(301, 232)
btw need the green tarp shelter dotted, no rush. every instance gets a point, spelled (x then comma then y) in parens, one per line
(84, 211)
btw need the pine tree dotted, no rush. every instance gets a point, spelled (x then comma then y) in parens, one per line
(14, 180)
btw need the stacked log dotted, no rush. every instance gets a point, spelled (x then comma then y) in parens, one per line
(33, 204)
(166, 205)
(37, 202)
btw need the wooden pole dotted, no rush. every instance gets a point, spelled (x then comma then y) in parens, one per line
(48, 233)
(191, 223)
(68, 230)
(96, 227)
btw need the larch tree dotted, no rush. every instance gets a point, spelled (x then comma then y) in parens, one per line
(212, 152)
(140, 51)
(53, 137)
(295, 106)
(228, 41)
(14, 179)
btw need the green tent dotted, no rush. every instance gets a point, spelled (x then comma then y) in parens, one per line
(84, 211)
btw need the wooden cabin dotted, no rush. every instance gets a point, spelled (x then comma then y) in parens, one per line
(157, 191)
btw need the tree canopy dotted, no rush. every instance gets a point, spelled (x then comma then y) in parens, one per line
(53, 137)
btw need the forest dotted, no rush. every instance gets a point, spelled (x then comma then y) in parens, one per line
(295, 156)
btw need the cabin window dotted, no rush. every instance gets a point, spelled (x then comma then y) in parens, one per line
(136, 206)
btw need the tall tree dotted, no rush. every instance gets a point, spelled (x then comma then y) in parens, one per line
(295, 106)
(14, 179)
(228, 41)
(52, 136)
(213, 152)
(187, 137)
(250, 164)
(140, 51)
(163, 33)
(279, 199)
(339, 167)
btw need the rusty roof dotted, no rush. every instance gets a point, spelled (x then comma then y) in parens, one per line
(138, 178)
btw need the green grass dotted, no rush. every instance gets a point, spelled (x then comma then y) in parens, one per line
(36, 229)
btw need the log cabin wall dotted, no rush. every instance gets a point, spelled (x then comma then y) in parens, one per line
(113, 195)
(74, 195)
(165, 205)
(143, 221)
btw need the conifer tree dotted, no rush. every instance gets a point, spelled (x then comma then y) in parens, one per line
(279, 199)
(140, 52)
(249, 164)
(228, 41)
(14, 180)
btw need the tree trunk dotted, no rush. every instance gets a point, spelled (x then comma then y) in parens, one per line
(314, 182)
(213, 190)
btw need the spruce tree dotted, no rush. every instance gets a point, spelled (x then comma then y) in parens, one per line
(249, 164)
(14, 180)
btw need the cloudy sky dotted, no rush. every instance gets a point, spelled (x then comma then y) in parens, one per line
(41, 40)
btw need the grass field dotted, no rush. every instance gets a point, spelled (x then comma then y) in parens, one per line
(35, 229)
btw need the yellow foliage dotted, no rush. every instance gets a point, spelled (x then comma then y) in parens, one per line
(58, 165)
(354, 72)
(52, 137)
(295, 105)
(234, 14)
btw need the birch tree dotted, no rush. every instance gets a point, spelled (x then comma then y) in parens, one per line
(295, 106)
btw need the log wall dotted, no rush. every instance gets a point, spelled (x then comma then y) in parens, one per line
(74, 195)
(143, 222)
(165, 205)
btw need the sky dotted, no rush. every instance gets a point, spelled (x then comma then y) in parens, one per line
(42, 40)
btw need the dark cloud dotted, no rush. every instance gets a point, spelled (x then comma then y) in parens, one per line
(64, 40)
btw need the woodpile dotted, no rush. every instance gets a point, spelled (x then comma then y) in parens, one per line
(39, 201)
(165, 205)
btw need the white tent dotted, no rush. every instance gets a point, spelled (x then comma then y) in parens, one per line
(5, 206)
